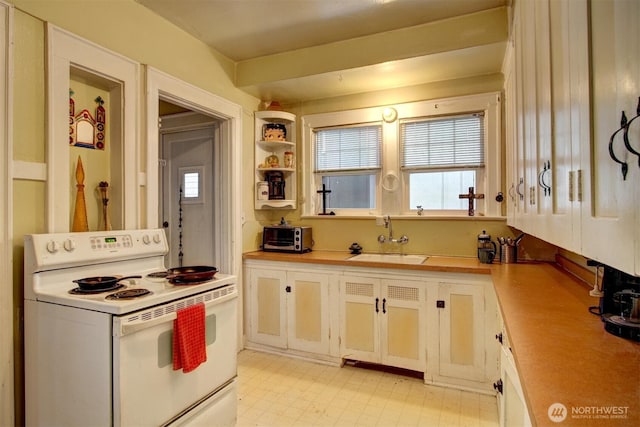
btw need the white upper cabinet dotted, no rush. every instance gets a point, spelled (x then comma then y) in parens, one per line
(570, 71)
(611, 203)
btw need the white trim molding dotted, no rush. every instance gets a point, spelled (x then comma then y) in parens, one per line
(7, 396)
(30, 171)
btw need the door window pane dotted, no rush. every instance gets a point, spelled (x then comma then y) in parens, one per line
(191, 185)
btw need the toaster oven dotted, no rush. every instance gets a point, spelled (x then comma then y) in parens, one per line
(287, 238)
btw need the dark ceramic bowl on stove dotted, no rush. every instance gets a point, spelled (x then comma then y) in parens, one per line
(101, 282)
(199, 273)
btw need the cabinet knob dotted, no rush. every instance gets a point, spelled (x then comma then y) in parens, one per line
(288, 289)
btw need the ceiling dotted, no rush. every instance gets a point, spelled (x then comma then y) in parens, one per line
(298, 50)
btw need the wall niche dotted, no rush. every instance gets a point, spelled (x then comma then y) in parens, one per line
(92, 102)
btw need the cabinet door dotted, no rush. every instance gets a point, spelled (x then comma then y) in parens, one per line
(511, 133)
(360, 306)
(513, 409)
(563, 213)
(519, 146)
(268, 303)
(462, 329)
(403, 320)
(610, 211)
(308, 312)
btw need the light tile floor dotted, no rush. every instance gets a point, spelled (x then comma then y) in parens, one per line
(277, 391)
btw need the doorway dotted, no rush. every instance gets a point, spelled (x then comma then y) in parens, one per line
(188, 184)
(227, 202)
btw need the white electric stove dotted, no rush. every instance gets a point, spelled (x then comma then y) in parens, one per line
(94, 360)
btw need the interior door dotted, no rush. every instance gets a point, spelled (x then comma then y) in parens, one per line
(188, 196)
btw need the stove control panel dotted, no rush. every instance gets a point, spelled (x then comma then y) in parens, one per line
(68, 249)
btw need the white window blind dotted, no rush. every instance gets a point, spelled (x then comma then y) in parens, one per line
(443, 143)
(348, 148)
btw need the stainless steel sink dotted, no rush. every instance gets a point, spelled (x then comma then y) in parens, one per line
(390, 258)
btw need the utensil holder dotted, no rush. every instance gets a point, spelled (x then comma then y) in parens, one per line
(508, 254)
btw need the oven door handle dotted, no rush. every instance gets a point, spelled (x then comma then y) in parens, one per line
(130, 324)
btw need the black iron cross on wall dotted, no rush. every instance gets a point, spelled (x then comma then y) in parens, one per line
(471, 196)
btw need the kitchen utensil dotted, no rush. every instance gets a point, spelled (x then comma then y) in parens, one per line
(508, 253)
(101, 282)
(198, 273)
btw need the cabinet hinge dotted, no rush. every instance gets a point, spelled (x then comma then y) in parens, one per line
(532, 195)
(579, 185)
(572, 187)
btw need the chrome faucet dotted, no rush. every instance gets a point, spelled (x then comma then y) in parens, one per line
(387, 224)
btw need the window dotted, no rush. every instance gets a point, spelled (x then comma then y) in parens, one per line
(442, 157)
(427, 156)
(191, 184)
(347, 161)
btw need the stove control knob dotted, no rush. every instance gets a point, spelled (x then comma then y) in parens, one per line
(53, 246)
(69, 245)
(145, 239)
(156, 238)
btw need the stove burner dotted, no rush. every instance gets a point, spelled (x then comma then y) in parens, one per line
(80, 291)
(128, 294)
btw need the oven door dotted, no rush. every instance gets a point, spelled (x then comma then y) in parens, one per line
(147, 391)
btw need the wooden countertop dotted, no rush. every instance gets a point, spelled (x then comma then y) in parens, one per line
(433, 263)
(562, 352)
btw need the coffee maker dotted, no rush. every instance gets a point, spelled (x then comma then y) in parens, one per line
(620, 303)
(276, 182)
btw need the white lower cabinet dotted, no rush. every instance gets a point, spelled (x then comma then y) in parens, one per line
(461, 325)
(511, 404)
(440, 324)
(461, 329)
(289, 309)
(382, 321)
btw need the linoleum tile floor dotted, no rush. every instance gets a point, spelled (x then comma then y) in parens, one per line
(277, 391)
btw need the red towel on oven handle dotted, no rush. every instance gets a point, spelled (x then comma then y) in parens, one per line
(189, 342)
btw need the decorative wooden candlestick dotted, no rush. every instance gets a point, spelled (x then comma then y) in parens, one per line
(106, 222)
(80, 214)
